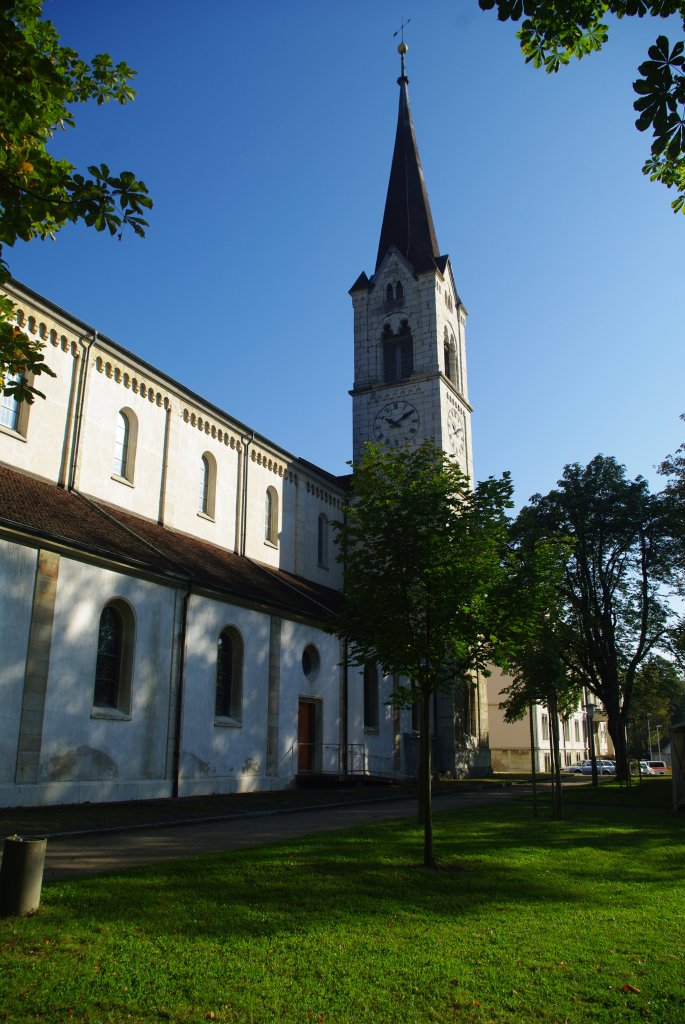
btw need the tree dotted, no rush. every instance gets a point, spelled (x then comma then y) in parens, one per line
(618, 581)
(658, 699)
(40, 82)
(673, 467)
(422, 553)
(528, 640)
(554, 31)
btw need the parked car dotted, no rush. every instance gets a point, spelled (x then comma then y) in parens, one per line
(604, 767)
(658, 767)
(645, 768)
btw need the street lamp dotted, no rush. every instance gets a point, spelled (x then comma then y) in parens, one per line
(590, 712)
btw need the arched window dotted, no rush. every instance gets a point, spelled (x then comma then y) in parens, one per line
(271, 516)
(228, 702)
(207, 494)
(446, 354)
(398, 353)
(114, 664)
(13, 414)
(371, 696)
(450, 357)
(457, 365)
(388, 294)
(399, 292)
(323, 540)
(125, 445)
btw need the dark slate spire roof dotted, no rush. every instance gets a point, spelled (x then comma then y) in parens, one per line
(407, 221)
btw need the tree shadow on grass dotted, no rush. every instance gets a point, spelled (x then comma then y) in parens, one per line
(491, 858)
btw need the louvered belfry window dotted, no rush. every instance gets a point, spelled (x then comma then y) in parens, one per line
(398, 353)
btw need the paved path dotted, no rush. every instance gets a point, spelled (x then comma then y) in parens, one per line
(107, 852)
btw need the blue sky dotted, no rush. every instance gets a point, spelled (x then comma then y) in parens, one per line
(265, 133)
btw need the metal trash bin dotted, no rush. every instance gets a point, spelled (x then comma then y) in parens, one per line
(21, 875)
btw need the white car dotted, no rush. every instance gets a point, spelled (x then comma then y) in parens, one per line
(604, 767)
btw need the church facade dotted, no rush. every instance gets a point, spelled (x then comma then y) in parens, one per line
(169, 575)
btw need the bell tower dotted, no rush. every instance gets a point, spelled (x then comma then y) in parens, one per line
(410, 380)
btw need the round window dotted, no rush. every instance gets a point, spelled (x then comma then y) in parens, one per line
(310, 661)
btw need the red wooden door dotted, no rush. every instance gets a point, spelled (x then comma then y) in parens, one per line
(306, 736)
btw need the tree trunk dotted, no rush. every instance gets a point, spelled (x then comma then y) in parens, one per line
(533, 760)
(557, 801)
(618, 738)
(425, 784)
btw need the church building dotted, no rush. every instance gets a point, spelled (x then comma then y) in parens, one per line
(169, 574)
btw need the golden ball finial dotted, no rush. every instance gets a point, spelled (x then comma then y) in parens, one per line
(402, 48)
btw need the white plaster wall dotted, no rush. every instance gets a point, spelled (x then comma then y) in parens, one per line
(324, 685)
(222, 758)
(77, 746)
(38, 445)
(106, 395)
(260, 476)
(378, 744)
(316, 498)
(188, 443)
(17, 577)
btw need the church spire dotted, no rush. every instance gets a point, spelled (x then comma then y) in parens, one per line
(407, 220)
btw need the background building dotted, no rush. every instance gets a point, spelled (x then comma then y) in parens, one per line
(510, 742)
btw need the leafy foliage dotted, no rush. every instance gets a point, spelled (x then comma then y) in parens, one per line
(423, 555)
(40, 83)
(616, 587)
(659, 695)
(528, 642)
(673, 467)
(555, 31)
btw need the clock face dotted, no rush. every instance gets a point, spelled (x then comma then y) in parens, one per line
(396, 424)
(456, 432)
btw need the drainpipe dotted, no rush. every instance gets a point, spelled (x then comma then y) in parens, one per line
(73, 461)
(344, 701)
(180, 693)
(247, 441)
(74, 388)
(238, 500)
(344, 697)
(165, 462)
(533, 758)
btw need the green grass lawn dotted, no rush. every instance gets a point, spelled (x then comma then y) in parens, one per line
(530, 920)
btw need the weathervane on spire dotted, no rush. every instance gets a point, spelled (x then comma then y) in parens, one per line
(402, 48)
